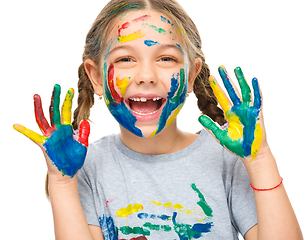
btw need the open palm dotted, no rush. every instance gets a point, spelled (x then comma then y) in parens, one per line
(64, 151)
(244, 134)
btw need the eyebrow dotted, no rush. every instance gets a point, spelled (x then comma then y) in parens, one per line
(161, 46)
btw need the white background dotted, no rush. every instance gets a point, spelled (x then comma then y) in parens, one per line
(42, 44)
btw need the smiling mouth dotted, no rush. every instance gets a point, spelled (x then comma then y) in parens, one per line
(145, 106)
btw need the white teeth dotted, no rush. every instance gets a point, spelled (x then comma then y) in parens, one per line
(143, 99)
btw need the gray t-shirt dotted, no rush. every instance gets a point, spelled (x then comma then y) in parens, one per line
(200, 192)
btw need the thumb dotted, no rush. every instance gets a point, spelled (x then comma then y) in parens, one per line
(84, 132)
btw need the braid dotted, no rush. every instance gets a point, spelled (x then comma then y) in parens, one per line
(85, 97)
(207, 101)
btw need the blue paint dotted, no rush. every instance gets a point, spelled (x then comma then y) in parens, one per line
(153, 216)
(108, 228)
(66, 154)
(120, 112)
(257, 94)
(150, 43)
(163, 19)
(179, 46)
(173, 102)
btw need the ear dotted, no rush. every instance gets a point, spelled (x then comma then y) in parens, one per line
(94, 75)
(193, 73)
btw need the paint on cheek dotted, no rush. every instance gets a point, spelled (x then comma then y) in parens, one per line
(150, 43)
(113, 92)
(122, 84)
(131, 37)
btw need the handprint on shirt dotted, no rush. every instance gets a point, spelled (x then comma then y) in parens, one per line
(66, 153)
(244, 133)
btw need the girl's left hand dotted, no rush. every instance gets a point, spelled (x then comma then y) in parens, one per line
(244, 134)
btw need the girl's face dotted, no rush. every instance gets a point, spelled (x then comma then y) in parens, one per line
(145, 72)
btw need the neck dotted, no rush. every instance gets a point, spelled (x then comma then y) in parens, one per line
(170, 140)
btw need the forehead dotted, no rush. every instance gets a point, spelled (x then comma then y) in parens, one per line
(146, 25)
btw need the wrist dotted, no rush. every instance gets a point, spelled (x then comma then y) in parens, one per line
(263, 171)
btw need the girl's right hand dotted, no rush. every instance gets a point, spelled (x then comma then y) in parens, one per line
(64, 153)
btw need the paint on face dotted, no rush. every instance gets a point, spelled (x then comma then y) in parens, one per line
(150, 43)
(142, 18)
(131, 37)
(166, 21)
(159, 30)
(244, 135)
(124, 6)
(117, 107)
(122, 84)
(170, 222)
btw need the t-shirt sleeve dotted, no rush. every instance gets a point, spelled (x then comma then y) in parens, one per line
(241, 200)
(87, 198)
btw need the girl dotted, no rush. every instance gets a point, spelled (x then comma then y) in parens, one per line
(153, 181)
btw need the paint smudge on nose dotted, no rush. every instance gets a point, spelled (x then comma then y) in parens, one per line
(130, 209)
(150, 43)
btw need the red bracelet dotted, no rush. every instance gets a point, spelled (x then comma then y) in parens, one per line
(266, 189)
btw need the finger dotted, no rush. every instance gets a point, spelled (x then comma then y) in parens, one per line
(67, 107)
(54, 107)
(84, 132)
(39, 115)
(35, 137)
(245, 89)
(232, 91)
(220, 95)
(257, 94)
(209, 124)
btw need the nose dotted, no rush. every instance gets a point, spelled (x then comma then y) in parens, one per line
(146, 75)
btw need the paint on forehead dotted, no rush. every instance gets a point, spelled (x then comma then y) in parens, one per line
(131, 37)
(163, 19)
(142, 18)
(150, 43)
(159, 30)
(124, 26)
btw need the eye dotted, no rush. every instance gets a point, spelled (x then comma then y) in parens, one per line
(167, 59)
(124, 59)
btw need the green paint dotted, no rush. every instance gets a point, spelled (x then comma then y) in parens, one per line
(124, 6)
(181, 87)
(160, 30)
(202, 203)
(246, 92)
(165, 228)
(235, 146)
(136, 230)
(55, 106)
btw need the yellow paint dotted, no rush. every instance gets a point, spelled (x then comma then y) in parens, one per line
(35, 137)
(256, 145)
(153, 133)
(176, 207)
(131, 37)
(122, 84)
(130, 209)
(173, 116)
(67, 107)
(235, 130)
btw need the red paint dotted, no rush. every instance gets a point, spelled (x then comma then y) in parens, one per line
(142, 19)
(124, 26)
(39, 116)
(113, 92)
(109, 201)
(137, 238)
(84, 132)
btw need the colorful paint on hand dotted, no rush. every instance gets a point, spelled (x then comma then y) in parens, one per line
(169, 223)
(244, 135)
(64, 151)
